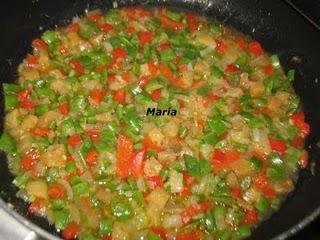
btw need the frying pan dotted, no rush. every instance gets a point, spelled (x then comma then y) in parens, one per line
(280, 29)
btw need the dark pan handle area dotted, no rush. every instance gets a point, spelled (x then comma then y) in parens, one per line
(280, 29)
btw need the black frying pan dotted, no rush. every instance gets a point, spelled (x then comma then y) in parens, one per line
(279, 28)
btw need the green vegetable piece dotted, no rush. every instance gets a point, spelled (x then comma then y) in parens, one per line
(78, 103)
(167, 55)
(121, 210)
(41, 109)
(88, 29)
(61, 219)
(256, 163)
(291, 75)
(210, 222)
(216, 72)
(275, 61)
(50, 36)
(8, 144)
(105, 227)
(11, 102)
(80, 188)
(174, 16)
(210, 138)
(263, 205)
(153, 236)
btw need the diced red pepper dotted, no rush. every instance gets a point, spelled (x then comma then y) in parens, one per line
(268, 69)
(111, 78)
(130, 30)
(222, 159)
(164, 46)
(119, 53)
(156, 181)
(71, 232)
(95, 17)
(136, 163)
(299, 121)
(160, 231)
(221, 46)
(36, 206)
(76, 65)
(167, 22)
(192, 235)
(242, 43)
(120, 96)
(261, 182)
(73, 27)
(106, 27)
(298, 142)
(126, 76)
(153, 69)
(56, 191)
(40, 132)
(279, 146)
(64, 108)
(28, 161)
(193, 210)
(106, 238)
(124, 156)
(39, 43)
(143, 81)
(251, 217)
(74, 140)
(92, 158)
(145, 37)
(156, 95)
(148, 143)
(236, 192)
(32, 60)
(232, 69)
(97, 96)
(192, 22)
(255, 48)
(93, 134)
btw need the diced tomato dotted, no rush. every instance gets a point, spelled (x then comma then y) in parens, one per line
(278, 145)
(71, 232)
(74, 140)
(27, 163)
(32, 60)
(106, 238)
(73, 27)
(222, 159)
(36, 206)
(97, 96)
(232, 69)
(40, 132)
(160, 231)
(130, 30)
(221, 46)
(242, 43)
(192, 235)
(39, 43)
(166, 71)
(137, 163)
(93, 134)
(64, 108)
(298, 142)
(145, 37)
(156, 181)
(27, 104)
(124, 155)
(156, 95)
(95, 17)
(188, 181)
(147, 143)
(153, 69)
(255, 48)
(126, 76)
(143, 81)
(304, 160)
(236, 192)
(143, 12)
(192, 22)
(76, 65)
(268, 69)
(119, 53)
(92, 158)
(106, 27)
(120, 96)
(251, 217)
(56, 191)
(193, 210)
(299, 121)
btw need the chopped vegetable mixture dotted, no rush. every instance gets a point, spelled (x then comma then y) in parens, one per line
(89, 159)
